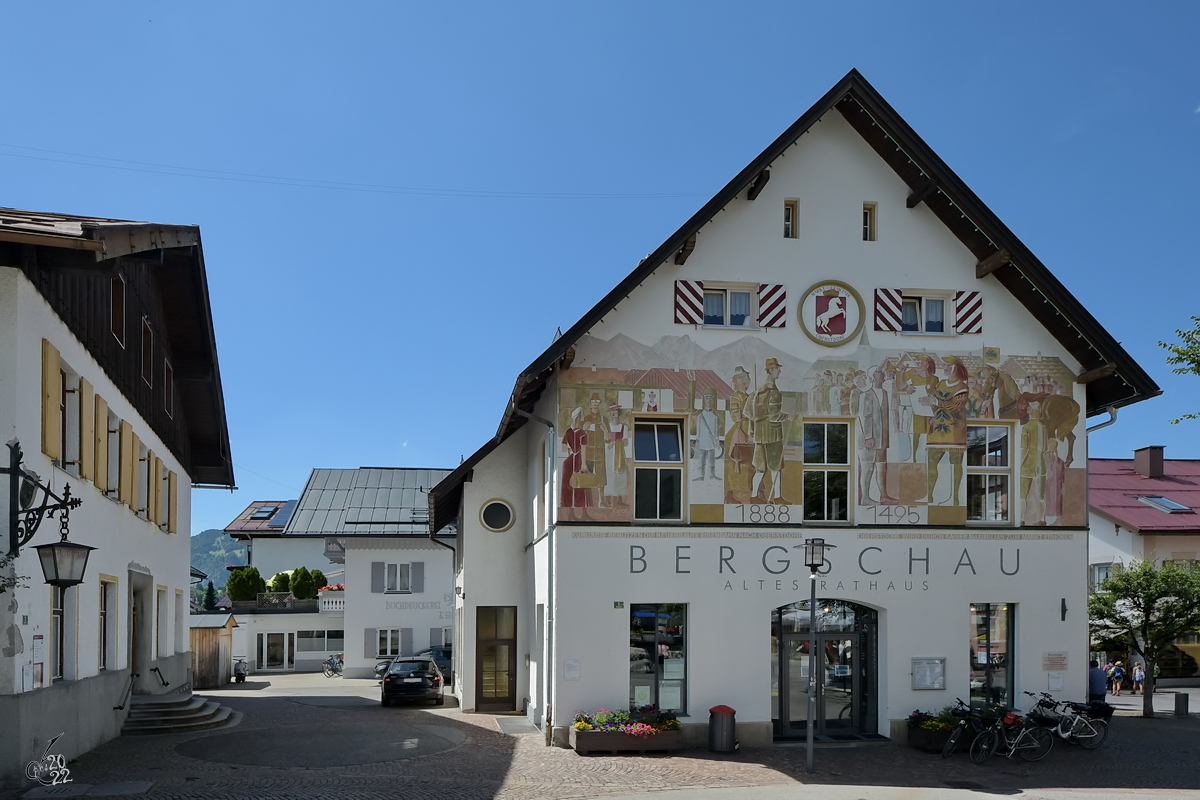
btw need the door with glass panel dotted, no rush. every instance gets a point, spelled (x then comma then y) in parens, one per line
(276, 651)
(658, 656)
(496, 658)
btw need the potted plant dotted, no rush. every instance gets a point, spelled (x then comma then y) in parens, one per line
(929, 732)
(638, 729)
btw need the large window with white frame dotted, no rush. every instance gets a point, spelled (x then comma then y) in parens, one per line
(989, 473)
(389, 642)
(1099, 574)
(397, 578)
(827, 471)
(729, 306)
(658, 470)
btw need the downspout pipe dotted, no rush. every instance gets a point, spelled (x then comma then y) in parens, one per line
(548, 669)
(1112, 418)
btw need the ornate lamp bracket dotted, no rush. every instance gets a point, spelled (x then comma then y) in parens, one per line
(24, 515)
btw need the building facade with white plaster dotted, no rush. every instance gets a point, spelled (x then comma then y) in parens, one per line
(844, 343)
(109, 381)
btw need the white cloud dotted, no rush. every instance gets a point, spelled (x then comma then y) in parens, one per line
(405, 443)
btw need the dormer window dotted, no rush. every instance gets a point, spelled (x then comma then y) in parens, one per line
(1165, 505)
(264, 512)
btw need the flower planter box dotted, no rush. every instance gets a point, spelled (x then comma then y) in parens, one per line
(929, 741)
(585, 742)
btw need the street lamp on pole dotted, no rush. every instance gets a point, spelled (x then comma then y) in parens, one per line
(814, 559)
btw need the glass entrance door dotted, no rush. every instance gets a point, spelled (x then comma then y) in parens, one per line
(837, 706)
(496, 658)
(276, 651)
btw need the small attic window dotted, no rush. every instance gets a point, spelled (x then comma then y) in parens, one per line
(264, 512)
(1163, 504)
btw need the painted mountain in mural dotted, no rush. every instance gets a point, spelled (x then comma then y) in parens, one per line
(680, 352)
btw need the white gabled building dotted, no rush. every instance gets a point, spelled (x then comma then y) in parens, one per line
(109, 380)
(845, 343)
(370, 527)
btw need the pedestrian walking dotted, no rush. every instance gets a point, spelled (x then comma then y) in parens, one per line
(1108, 671)
(1118, 677)
(1139, 679)
(1097, 683)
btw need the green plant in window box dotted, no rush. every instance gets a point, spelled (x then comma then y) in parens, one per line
(639, 728)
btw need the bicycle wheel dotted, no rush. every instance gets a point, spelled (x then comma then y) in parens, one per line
(1065, 725)
(985, 745)
(952, 742)
(328, 670)
(1034, 744)
(1091, 733)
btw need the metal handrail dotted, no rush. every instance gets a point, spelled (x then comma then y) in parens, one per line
(128, 691)
(160, 677)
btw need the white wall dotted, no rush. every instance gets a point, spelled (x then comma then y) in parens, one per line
(124, 542)
(280, 554)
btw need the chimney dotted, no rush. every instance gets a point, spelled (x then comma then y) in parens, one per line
(1148, 461)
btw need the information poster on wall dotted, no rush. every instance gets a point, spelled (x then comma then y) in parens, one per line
(571, 670)
(641, 696)
(669, 696)
(929, 673)
(39, 659)
(1054, 662)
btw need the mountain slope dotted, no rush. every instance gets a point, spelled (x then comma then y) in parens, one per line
(212, 551)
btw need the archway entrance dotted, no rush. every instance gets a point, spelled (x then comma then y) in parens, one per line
(845, 636)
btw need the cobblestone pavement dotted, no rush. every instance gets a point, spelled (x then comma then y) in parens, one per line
(296, 743)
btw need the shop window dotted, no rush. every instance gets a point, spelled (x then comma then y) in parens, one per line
(728, 307)
(826, 471)
(923, 314)
(117, 308)
(147, 352)
(311, 642)
(868, 222)
(1099, 574)
(988, 472)
(992, 651)
(658, 656)
(658, 472)
(791, 219)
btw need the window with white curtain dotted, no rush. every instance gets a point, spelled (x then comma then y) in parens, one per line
(730, 307)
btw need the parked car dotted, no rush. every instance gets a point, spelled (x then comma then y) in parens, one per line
(412, 678)
(441, 655)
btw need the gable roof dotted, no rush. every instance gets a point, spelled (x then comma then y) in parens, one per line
(73, 244)
(1114, 487)
(1115, 379)
(369, 501)
(250, 523)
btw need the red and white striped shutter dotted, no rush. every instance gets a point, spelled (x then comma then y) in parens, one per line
(968, 312)
(889, 315)
(772, 305)
(689, 302)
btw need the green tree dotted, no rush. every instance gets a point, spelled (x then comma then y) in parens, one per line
(1148, 608)
(245, 584)
(210, 597)
(302, 584)
(282, 582)
(1185, 357)
(319, 579)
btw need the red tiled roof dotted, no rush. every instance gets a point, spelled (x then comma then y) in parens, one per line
(244, 523)
(1114, 488)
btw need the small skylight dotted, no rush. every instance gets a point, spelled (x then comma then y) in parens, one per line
(264, 512)
(1163, 504)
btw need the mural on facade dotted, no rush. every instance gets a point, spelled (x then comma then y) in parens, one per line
(748, 433)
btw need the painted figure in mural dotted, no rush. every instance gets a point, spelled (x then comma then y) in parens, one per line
(766, 411)
(845, 385)
(706, 427)
(593, 452)
(574, 498)
(738, 441)
(650, 401)
(947, 425)
(922, 377)
(1033, 467)
(616, 434)
(873, 436)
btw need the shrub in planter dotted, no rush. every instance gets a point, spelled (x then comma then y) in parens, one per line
(245, 584)
(927, 731)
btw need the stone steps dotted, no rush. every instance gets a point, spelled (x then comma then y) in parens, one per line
(181, 713)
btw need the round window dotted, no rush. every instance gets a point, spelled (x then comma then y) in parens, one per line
(496, 515)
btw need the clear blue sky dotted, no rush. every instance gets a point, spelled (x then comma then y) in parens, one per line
(548, 147)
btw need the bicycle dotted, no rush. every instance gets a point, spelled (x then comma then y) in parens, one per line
(1030, 742)
(1045, 712)
(1080, 727)
(332, 665)
(966, 716)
